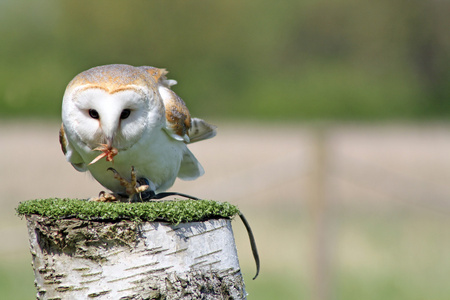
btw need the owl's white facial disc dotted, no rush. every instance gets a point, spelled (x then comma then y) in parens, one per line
(116, 119)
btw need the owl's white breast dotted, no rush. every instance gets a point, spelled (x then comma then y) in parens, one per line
(156, 157)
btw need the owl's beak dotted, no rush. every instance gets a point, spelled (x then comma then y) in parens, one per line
(109, 141)
(109, 123)
(108, 135)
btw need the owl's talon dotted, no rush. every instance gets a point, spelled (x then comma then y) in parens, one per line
(104, 197)
(132, 187)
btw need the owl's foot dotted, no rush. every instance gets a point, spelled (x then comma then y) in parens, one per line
(133, 188)
(104, 197)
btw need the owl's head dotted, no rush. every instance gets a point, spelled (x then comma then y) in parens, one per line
(112, 105)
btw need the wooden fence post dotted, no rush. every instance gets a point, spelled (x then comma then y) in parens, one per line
(125, 259)
(321, 215)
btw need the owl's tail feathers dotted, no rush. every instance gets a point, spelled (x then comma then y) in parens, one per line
(200, 130)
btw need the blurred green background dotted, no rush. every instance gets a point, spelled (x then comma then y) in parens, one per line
(298, 60)
(277, 61)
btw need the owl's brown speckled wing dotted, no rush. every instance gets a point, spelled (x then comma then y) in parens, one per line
(179, 124)
(62, 140)
(178, 118)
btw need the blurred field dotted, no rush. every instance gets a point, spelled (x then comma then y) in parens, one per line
(385, 205)
(292, 59)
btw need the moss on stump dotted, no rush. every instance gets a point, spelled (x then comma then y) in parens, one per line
(169, 211)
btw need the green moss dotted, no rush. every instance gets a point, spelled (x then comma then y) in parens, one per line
(170, 211)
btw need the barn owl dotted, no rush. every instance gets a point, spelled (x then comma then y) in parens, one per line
(127, 127)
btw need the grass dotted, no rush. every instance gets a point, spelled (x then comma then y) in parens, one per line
(170, 211)
(16, 279)
(307, 70)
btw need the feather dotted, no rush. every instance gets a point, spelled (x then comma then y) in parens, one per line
(63, 139)
(178, 118)
(200, 130)
(190, 168)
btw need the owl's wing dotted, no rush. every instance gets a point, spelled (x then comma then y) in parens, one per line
(201, 130)
(179, 124)
(178, 119)
(71, 155)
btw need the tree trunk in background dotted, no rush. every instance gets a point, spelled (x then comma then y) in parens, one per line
(75, 259)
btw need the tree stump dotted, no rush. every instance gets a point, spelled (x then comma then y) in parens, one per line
(76, 258)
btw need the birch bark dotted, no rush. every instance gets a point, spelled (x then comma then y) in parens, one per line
(76, 259)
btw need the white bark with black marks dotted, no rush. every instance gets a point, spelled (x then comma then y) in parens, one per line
(76, 259)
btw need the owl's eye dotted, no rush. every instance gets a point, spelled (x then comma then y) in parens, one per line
(125, 114)
(94, 114)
